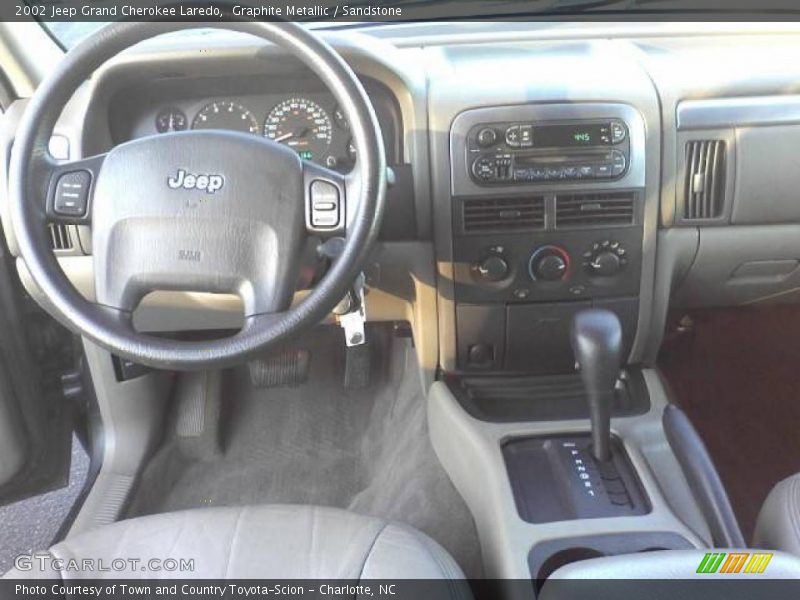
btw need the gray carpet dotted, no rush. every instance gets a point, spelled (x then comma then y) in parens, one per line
(32, 524)
(365, 450)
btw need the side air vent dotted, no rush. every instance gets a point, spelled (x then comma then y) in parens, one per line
(576, 210)
(704, 184)
(60, 237)
(503, 214)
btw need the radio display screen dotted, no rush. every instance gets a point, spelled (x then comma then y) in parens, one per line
(593, 134)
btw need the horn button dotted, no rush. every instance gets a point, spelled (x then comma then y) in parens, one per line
(208, 211)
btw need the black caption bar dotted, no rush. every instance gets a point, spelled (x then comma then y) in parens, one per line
(395, 10)
(710, 588)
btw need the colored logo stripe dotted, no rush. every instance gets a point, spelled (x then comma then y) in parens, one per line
(734, 562)
(758, 563)
(713, 562)
(710, 562)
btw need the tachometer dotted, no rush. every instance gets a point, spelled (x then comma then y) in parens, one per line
(302, 125)
(226, 115)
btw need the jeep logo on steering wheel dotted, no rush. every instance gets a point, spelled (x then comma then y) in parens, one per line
(209, 183)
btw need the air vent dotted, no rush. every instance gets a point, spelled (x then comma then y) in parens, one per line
(60, 237)
(503, 214)
(704, 185)
(576, 210)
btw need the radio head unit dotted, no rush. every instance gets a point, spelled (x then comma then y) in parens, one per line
(523, 152)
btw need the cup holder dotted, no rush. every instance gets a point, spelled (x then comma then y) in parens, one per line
(545, 558)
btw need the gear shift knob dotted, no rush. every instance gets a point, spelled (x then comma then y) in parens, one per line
(597, 343)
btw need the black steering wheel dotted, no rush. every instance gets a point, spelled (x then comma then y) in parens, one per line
(210, 211)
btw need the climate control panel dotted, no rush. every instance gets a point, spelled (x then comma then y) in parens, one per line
(548, 265)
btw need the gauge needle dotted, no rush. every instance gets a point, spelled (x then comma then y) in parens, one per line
(285, 136)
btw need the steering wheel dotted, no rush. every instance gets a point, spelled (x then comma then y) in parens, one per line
(208, 211)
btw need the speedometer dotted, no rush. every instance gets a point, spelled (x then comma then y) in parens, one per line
(302, 125)
(226, 115)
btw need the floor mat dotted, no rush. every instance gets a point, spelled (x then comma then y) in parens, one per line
(737, 376)
(364, 450)
(31, 524)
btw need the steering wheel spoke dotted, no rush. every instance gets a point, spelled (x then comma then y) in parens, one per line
(325, 201)
(70, 191)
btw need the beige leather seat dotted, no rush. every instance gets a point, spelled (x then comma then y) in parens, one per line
(778, 524)
(259, 542)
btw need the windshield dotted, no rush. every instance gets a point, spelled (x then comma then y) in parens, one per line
(70, 33)
(70, 29)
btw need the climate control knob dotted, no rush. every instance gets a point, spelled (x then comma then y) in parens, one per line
(492, 268)
(605, 264)
(549, 263)
(605, 259)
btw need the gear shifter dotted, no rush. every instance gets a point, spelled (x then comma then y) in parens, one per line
(597, 343)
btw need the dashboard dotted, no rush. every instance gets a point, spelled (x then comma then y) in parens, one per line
(517, 199)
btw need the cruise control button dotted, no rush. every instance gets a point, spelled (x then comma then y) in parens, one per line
(72, 194)
(324, 204)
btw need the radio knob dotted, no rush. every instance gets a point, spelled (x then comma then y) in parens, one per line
(492, 268)
(486, 137)
(605, 264)
(549, 263)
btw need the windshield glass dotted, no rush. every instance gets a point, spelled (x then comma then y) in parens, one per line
(328, 14)
(70, 33)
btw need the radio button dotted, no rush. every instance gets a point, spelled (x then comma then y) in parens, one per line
(618, 131)
(604, 170)
(525, 136)
(570, 172)
(538, 174)
(619, 163)
(513, 136)
(486, 137)
(484, 169)
(586, 171)
(553, 173)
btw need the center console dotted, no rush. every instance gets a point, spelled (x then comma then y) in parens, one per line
(550, 220)
(548, 214)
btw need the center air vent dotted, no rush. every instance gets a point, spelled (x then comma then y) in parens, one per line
(704, 184)
(576, 210)
(503, 214)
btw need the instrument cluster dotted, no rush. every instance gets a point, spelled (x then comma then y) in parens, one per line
(314, 127)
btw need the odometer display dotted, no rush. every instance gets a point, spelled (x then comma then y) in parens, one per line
(302, 125)
(226, 115)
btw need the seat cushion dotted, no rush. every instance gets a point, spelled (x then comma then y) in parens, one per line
(258, 542)
(778, 524)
